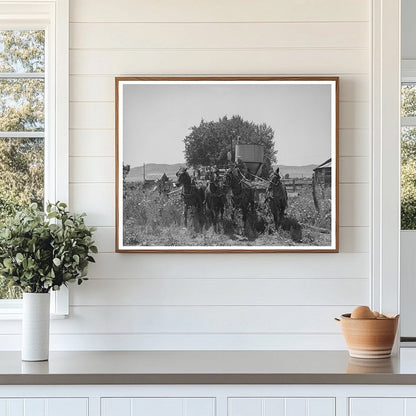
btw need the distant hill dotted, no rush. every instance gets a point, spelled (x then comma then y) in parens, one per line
(305, 171)
(153, 171)
(156, 170)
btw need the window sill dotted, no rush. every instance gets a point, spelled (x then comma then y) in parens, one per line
(11, 309)
(13, 315)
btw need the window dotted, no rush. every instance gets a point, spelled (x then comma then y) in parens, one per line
(22, 124)
(408, 201)
(33, 111)
(408, 154)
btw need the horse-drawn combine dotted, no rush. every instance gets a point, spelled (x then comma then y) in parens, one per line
(235, 194)
(233, 204)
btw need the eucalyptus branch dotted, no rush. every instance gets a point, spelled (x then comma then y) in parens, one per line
(43, 251)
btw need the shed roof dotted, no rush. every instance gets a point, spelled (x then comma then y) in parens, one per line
(325, 165)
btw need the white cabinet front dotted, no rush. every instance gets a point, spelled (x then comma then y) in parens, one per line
(44, 407)
(382, 406)
(146, 406)
(270, 406)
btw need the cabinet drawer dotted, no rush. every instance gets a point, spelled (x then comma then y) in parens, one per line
(280, 406)
(158, 406)
(377, 406)
(44, 407)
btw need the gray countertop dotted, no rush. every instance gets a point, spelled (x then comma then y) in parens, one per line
(207, 367)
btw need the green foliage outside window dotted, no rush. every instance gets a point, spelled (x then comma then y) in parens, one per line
(408, 160)
(408, 195)
(21, 110)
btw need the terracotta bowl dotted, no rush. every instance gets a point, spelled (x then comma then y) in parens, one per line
(369, 338)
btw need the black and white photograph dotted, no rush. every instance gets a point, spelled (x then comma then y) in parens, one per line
(227, 164)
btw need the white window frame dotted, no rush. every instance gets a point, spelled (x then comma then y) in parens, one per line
(53, 17)
(408, 237)
(385, 98)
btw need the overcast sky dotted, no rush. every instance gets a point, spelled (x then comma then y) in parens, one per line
(156, 118)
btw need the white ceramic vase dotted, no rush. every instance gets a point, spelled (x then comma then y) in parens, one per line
(35, 326)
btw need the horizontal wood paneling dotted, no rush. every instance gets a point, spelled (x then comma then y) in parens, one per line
(104, 238)
(92, 115)
(232, 265)
(92, 169)
(354, 88)
(92, 88)
(287, 297)
(354, 208)
(218, 11)
(95, 143)
(354, 170)
(218, 36)
(352, 239)
(202, 319)
(96, 199)
(354, 115)
(166, 341)
(219, 62)
(354, 142)
(101, 88)
(182, 320)
(220, 291)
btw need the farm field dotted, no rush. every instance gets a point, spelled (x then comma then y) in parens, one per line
(153, 219)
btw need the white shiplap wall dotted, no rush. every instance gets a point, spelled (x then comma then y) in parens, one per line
(181, 301)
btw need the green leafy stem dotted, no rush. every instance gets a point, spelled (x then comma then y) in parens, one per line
(42, 251)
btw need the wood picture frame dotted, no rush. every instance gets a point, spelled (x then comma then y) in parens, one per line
(227, 164)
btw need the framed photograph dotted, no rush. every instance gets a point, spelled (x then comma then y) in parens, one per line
(226, 164)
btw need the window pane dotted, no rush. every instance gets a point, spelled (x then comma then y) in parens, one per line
(21, 173)
(22, 51)
(22, 104)
(408, 178)
(408, 102)
(7, 292)
(408, 143)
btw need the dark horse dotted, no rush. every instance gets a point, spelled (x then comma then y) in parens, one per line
(193, 195)
(277, 199)
(242, 192)
(214, 199)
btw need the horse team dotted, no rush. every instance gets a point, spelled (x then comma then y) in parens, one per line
(208, 200)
